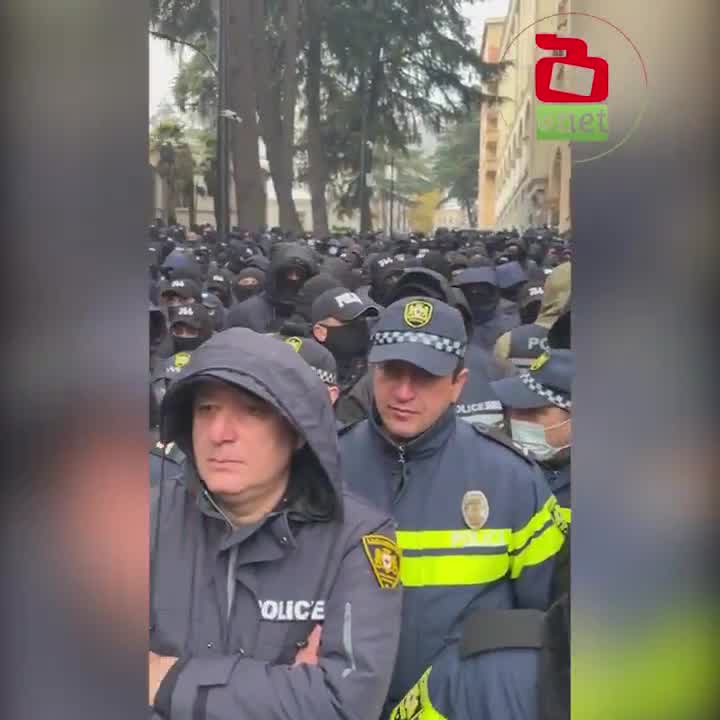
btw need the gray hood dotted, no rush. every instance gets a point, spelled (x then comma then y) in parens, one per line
(273, 371)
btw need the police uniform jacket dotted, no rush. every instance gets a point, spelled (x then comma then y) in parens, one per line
(235, 604)
(500, 557)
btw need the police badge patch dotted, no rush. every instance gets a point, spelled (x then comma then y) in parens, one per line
(295, 343)
(384, 557)
(417, 313)
(475, 509)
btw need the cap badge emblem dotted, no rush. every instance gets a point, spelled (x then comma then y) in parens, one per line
(417, 313)
(295, 343)
(540, 362)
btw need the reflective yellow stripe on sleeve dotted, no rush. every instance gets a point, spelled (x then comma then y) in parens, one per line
(567, 514)
(417, 705)
(538, 541)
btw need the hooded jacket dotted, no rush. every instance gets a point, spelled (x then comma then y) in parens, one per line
(235, 604)
(555, 300)
(266, 311)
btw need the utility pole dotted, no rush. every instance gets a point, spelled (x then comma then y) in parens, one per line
(223, 127)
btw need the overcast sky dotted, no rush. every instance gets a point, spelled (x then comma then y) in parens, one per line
(164, 66)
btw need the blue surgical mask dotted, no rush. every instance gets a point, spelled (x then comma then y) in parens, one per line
(532, 437)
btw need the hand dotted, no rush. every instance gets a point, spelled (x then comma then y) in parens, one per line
(308, 655)
(159, 666)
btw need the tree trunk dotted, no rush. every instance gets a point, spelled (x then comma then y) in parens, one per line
(274, 103)
(372, 99)
(317, 170)
(250, 201)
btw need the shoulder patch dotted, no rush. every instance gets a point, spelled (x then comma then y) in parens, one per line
(170, 451)
(384, 557)
(500, 437)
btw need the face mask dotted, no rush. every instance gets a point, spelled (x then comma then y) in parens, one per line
(349, 340)
(186, 344)
(532, 437)
(482, 309)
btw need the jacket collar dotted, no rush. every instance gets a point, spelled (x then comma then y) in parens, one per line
(424, 445)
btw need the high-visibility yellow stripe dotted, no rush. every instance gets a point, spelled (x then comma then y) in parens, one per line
(521, 537)
(453, 569)
(417, 704)
(539, 549)
(567, 514)
(449, 539)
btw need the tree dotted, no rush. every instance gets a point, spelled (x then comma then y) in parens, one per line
(193, 23)
(389, 65)
(175, 165)
(455, 164)
(422, 214)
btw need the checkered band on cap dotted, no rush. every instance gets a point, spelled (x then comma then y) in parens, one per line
(329, 378)
(437, 342)
(562, 401)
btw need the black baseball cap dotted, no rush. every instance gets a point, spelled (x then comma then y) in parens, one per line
(509, 274)
(194, 316)
(421, 331)
(341, 304)
(183, 287)
(475, 275)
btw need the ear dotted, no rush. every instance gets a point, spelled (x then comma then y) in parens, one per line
(320, 332)
(334, 391)
(459, 384)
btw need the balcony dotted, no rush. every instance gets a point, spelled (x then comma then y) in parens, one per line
(488, 163)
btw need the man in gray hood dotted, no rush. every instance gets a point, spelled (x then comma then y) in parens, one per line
(274, 593)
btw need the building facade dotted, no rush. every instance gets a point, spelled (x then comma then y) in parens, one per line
(523, 181)
(489, 132)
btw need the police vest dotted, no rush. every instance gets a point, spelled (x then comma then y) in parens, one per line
(527, 342)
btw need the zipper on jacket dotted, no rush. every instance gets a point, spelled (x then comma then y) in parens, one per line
(401, 461)
(230, 575)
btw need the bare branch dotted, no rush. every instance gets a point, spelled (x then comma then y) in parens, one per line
(193, 46)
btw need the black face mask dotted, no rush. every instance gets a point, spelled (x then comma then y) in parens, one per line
(187, 344)
(483, 304)
(348, 341)
(243, 292)
(512, 293)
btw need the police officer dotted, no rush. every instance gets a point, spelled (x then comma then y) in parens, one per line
(248, 282)
(183, 291)
(320, 360)
(538, 406)
(259, 552)
(476, 520)
(522, 345)
(220, 285)
(480, 287)
(265, 312)
(340, 322)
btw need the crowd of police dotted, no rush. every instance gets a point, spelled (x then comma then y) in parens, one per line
(360, 474)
